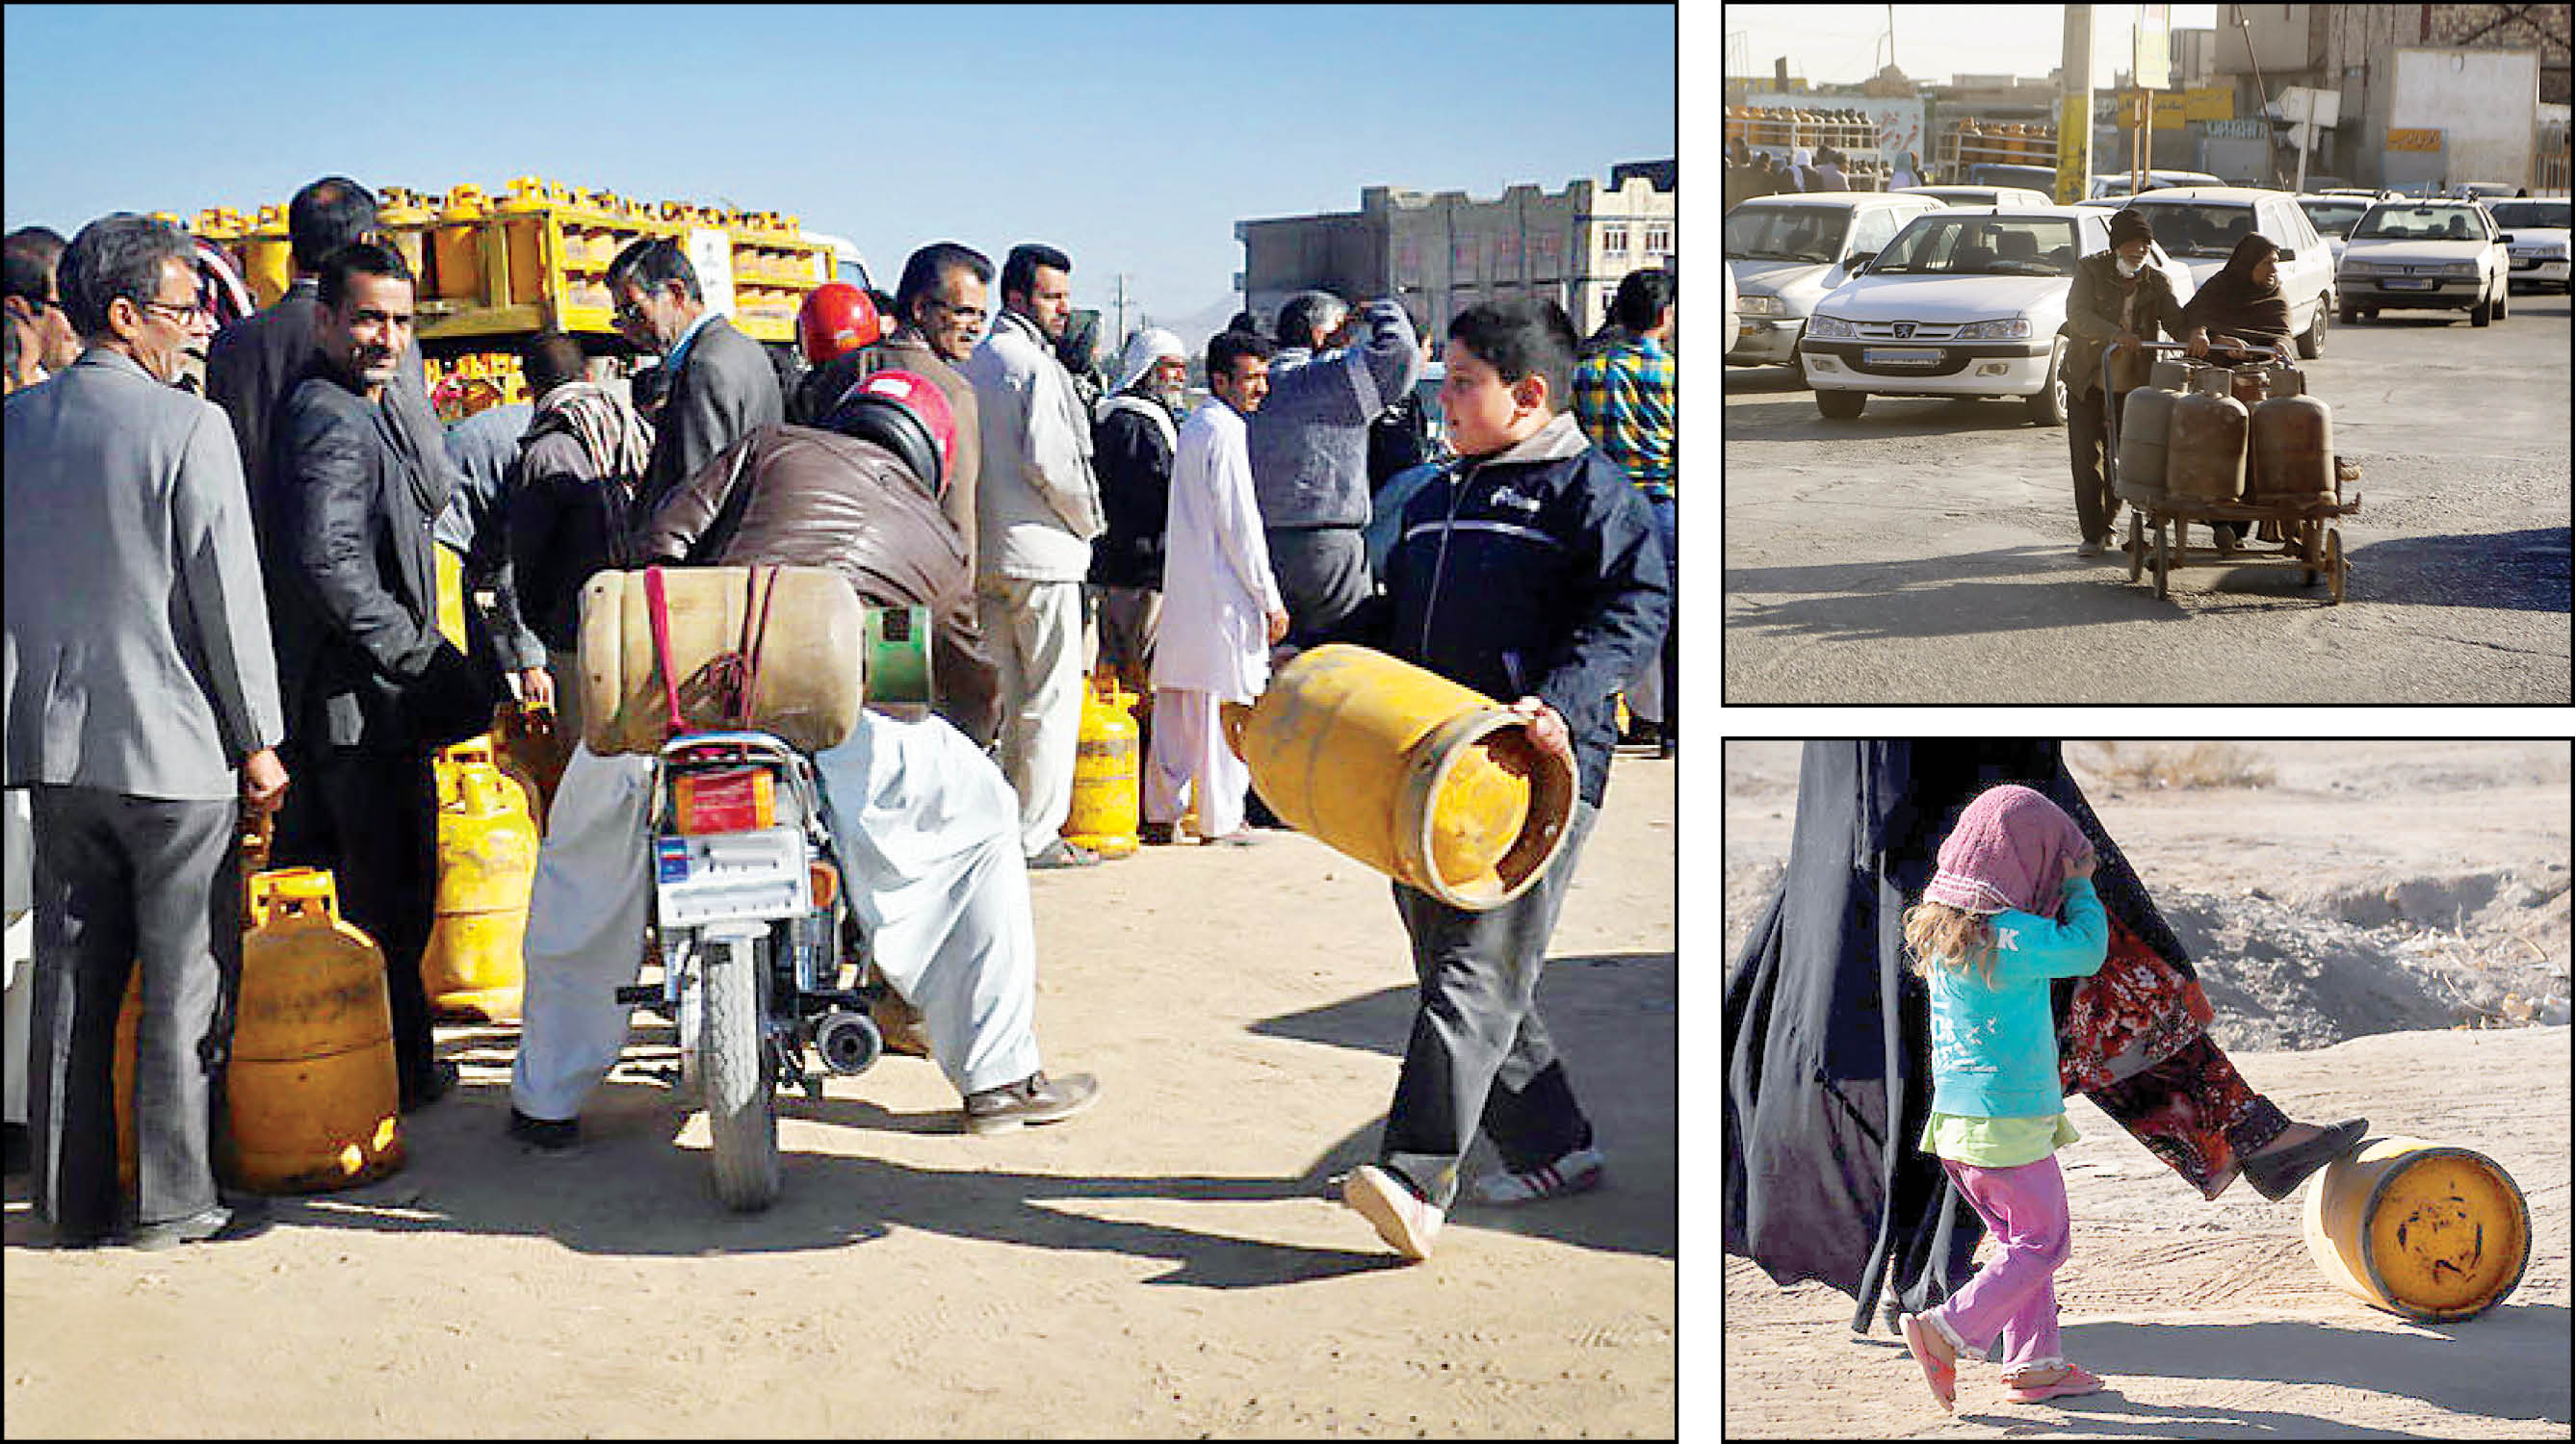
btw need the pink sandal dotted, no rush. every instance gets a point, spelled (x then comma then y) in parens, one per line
(1944, 1378)
(2076, 1380)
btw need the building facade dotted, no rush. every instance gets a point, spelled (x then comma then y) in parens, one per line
(1441, 253)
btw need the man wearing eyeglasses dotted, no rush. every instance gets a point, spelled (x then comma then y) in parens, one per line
(372, 688)
(939, 306)
(46, 341)
(143, 709)
(718, 386)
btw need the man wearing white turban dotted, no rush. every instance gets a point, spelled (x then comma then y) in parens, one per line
(1134, 432)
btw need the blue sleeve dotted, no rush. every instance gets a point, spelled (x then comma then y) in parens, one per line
(2074, 948)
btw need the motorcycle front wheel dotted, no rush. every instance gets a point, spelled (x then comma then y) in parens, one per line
(733, 1067)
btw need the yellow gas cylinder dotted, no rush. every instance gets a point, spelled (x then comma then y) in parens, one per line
(451, 594)
(267, 258)
(1405, 770)
(458, 245)
(405, 222)
(2433, 1233)
(487, 860)
(1107, 771)
(314, 1099)
(523, 227)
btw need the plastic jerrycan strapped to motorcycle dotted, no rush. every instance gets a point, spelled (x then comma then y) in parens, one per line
(1107, 772)
(1424, 780)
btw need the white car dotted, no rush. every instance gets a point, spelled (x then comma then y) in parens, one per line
(1962, 303)
(2201, 225)
(2426, 256)
(1977, 195)
(1787, 252)
(2536, 237)
(2117, 184)
(2334, 213)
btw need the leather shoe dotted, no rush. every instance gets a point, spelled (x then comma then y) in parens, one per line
(551, 1134)
(2277, 1175)
(420, 1091)
(1034, 1099)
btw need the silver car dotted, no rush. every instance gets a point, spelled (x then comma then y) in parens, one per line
(2425, 256)
(1788, 252)
(2201, 225)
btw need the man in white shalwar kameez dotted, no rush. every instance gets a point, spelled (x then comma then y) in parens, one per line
(1221, 606)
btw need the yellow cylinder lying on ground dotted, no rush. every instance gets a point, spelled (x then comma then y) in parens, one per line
(2431, 1232)
(1428, 782)
(1107, 772)
(487, 864)
(315, 1101)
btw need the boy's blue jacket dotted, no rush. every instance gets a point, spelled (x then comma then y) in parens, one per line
(1994, 1049)
(1536, 571)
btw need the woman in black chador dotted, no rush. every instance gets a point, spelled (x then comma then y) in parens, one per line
(1828, 1053)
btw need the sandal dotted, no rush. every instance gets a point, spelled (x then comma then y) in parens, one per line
(1943, 1377)
(2072, 1380)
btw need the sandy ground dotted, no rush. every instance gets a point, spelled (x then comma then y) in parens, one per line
(1165, 1265)
(2381, 878)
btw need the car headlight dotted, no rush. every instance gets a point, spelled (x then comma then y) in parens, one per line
(2361, 268)
(1760, 306)
(1829, 326)
(2016, 329)
(2461, 268)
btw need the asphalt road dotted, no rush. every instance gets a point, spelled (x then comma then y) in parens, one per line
(1925, 552)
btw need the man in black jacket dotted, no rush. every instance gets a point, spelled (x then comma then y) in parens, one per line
(1531, 570)
(719, 385)
(1134, 432)
(256, 362)
(371, 688)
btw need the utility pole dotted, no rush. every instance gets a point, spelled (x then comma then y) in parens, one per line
(2075, 105)
(1122, 309)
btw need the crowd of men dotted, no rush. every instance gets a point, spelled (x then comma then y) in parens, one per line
(255, 627)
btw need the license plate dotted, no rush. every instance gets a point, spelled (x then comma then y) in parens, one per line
(2399, 283)
(730, 876)
(1902, 356)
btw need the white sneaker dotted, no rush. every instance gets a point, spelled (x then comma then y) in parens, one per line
(1405, 1220)
(1573, 1173)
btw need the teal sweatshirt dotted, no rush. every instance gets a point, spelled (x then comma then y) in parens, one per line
(1994, 1049)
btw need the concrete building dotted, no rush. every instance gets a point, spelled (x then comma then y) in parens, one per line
(2353, 49)
(1444, 252)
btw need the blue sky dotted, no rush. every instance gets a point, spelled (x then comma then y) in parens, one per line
(1132, 138)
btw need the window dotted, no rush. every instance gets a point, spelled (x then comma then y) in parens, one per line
(1659, 240)
(1871, 231)
(1614, 239)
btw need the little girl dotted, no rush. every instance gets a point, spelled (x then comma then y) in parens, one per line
(1987, 939)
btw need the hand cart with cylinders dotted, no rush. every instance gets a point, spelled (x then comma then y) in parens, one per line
(2242, 444)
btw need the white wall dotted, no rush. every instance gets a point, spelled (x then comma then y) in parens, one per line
(2483, 101)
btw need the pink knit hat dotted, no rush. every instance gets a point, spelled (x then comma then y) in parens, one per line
(2009, 851)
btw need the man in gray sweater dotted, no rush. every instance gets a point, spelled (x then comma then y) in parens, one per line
(1310, 450)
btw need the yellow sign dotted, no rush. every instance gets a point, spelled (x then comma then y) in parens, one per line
(2415, 140)
(2169, 110)
(2212, 102)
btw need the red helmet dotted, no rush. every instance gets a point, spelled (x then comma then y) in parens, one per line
(836, 319)
(907, 414)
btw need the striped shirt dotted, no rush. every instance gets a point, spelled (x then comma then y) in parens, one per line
(1624, 400)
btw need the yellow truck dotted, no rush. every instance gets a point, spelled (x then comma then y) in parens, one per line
(493, 271)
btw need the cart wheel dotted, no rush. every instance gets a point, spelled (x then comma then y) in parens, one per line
(2164, 558)
(2334, 566)
(2137, 544)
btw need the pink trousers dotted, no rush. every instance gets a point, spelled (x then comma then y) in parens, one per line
(2015, 1294)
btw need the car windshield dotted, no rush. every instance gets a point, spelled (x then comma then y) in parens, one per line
(1755, 232)
(2547, 215)
(2185, 228)
(2419, 223)
(2334, 218)
(1972, 245)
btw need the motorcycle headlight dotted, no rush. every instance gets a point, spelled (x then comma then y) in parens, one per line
(2016, 329)
(1760, 306)
(1830, 327)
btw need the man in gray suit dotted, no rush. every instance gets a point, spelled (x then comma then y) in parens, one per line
(142, 707)
(718, 386)
(371, 688)
(256, 362)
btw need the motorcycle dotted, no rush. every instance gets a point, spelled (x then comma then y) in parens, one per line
(755, 930)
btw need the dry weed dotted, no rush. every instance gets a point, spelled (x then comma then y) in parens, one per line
(2155, 765)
